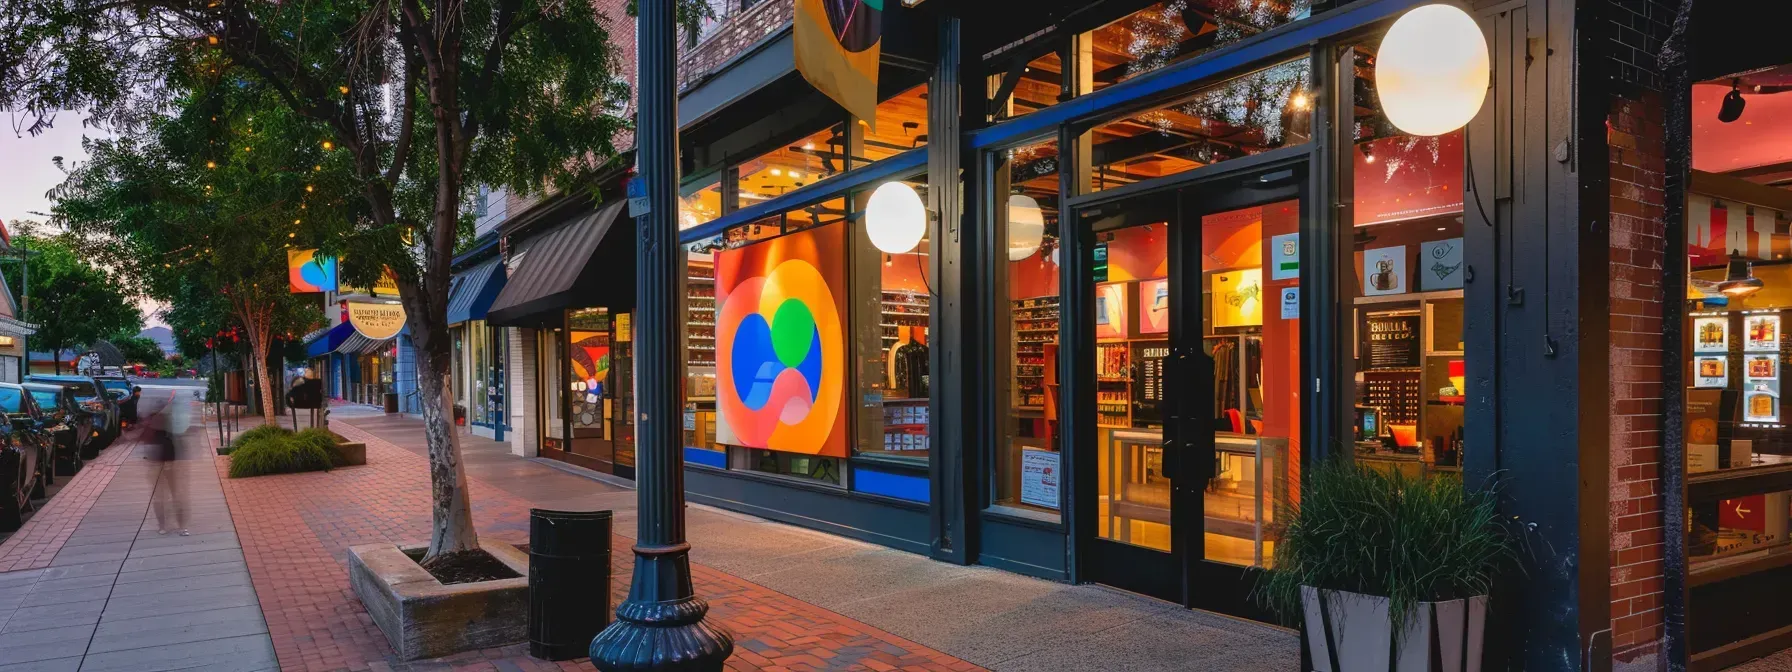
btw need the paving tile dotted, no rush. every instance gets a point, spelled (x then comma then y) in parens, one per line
(245, 653)
(22, 577)
(184, 548)
(103, 568)
(183, 559)
(57, 616)
(192, 600)
(40, 597)
(181, 572)
(172, 629)
(238, 578)
(81, 555)
(47, 644)
(70, 664)
(75, 582)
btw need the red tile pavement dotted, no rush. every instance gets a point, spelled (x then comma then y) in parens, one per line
(36, 543)
(295, 531)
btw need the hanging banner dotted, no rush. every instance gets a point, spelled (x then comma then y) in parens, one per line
(306, 272)
(387, 286)
(378, 321)
(838, 44)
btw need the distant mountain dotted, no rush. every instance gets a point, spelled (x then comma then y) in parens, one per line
(163, 336)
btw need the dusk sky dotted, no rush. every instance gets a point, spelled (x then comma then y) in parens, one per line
(26, 172)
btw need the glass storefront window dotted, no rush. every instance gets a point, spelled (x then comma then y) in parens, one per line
(1028, 449)
(484, 374)
(805, 161)
(459, 338)
(901, 126)
(1035, 85)
(891, 300)
(1407, 301)
(1170, 32)
(1263, 110)
(700, 201)
(700, 353)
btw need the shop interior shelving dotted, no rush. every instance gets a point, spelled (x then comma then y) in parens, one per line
(1411, 395)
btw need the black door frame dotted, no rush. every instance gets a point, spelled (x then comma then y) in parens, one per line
(1181, 575)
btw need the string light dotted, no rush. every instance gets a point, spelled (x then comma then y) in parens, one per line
(211, 165)
(343, 89)
(212, 39)
(308, 189)
(329, 145)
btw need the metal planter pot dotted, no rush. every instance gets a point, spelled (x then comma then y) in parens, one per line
(1352, 632)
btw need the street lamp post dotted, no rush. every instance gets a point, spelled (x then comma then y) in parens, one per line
(660, 626)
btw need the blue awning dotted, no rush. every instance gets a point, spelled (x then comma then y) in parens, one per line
(473, 291)
(328, 341)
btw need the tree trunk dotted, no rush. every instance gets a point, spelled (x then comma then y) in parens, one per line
(452, 527)
(259, 347)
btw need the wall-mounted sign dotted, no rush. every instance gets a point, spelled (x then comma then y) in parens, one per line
(1384, 271)
(1291, 303)
(1154, 306)
(1284, 256)
(377, 321)
(1711, 334)
(1393, 341)
(1039, 477)
(306, 272)
(1440, 264)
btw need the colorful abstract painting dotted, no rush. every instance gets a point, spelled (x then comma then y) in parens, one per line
(306, 272)
(780, 334)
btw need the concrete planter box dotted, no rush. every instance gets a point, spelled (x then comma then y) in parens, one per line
(350, 454)
(422, 618)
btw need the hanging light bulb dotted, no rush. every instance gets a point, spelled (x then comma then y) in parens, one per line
(895, 218)
(1026, 226)
(329, 145)
(1432, 70)
(1739, 280)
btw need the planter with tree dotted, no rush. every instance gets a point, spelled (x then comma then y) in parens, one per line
(1387, 572)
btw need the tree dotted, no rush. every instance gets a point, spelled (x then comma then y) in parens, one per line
(420, 98)
(74, 302)
(139, 350)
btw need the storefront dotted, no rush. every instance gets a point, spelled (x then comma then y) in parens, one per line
(1185, 254)
(569, 293)
(479, 348)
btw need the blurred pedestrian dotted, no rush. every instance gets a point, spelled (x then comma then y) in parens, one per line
(167, 481)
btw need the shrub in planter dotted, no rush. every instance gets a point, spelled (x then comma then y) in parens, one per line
(322, 439)
(254, 434)
(1386, 571)
(278, 454)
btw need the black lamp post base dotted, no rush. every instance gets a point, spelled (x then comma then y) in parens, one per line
(661, 635)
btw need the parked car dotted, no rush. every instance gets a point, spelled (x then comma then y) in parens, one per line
(66, 421)
(90, 396)
(121, 390)
(26, 464)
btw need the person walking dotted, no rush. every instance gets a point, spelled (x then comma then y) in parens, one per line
(167, 480)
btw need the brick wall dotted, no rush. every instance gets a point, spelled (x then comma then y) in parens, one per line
(732, 37)
(1637, 143)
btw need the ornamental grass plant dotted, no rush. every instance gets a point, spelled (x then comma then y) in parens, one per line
(1409, 539)
(280, 452)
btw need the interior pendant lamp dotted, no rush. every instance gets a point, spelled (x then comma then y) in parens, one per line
(1739, 280)
(1026, 226)
(895, 218)
(1432, 70)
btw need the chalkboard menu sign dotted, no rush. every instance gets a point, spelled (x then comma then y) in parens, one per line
(1393, 341)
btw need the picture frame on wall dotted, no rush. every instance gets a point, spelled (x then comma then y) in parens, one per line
(1440, 264)
(1709, 371)
(1384, 271)
(1761, 333)
(1711, 334)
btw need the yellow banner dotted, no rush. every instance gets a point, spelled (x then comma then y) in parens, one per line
(838, 44)
(378, 321)
(387, 286)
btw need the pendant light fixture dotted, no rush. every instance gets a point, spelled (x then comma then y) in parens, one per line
(1026, 226)
(1432, 70)
(895, 218)
(1740, 280)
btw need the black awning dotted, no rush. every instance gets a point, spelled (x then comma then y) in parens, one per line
(585, 263)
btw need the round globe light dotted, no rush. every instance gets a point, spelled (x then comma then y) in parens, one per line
(1432, 70)
(895, 218)
(1026, 226)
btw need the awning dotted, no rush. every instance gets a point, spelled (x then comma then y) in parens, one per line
(328, 340)
(584, 263)
(12, 327)
(474, 290)
(353, 344)
(374, 346)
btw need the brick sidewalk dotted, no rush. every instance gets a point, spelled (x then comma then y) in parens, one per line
(295, 531)
(42, 537)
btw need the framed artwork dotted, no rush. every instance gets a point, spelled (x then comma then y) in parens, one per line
(1110, 310)
(1711, 334)
(1761, 367)
(1761, 333)
(1237, 298)
(780, 344)
(1440, 264)
(1154, 306)
(1384, 271)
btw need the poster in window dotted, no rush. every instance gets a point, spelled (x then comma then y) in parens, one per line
(1238, 298)
(1039, 477)
(1393, 340)
(1154, 306)
(1284, 258)
(1110, 310)
(1761, 367)
(1761, 403)
(1710, 371)
(1384, 271)
(1711, 334)
(780, 344)
(1761, 333)
(1440, 264)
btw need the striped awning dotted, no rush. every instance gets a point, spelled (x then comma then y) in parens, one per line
(12, 327)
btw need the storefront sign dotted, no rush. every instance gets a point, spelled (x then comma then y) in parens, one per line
(377, 321)
(306, 272)
(1393, 341)
(387, 286)
(1039, 477)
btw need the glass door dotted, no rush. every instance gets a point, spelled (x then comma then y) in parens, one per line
(1196, 321)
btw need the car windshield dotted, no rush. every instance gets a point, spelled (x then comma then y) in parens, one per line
(123, 385)
(45, 398)
(10, 399)
(82, 389)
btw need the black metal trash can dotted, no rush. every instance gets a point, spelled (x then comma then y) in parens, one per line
(569, 581)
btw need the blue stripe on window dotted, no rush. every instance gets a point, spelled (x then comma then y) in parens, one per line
(900, 486)
(707, 458)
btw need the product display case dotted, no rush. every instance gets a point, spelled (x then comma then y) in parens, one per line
(1251, 479)
(1411, 374)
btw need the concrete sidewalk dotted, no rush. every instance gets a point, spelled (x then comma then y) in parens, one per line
(985, 616)
(115, 594)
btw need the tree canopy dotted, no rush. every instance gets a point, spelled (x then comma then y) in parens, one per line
(73, 301)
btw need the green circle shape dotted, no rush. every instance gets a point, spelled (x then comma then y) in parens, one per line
(793, 329)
